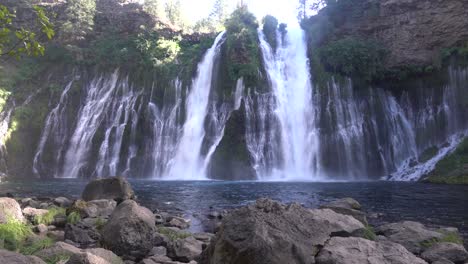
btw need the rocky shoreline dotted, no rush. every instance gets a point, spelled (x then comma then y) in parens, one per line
(108, 226)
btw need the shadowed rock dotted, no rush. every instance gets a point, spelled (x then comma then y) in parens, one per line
(115, 188)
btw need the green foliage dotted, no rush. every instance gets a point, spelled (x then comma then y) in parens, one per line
(459, 52)
(449, 237)
(171, 234)
(154, 8)
(13, 234)
(100, 223)
(55, 259)
(242, 46)
(73, 218)
(369, 233)
(354, 57)
(49, 217)
(270, 24)
(173, 11)
(79, 19)
(215, 21)
(451, 169)
(15, 41)
(36, 245)
(428, 154)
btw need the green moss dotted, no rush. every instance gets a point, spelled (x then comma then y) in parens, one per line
(36, 245)
(369, 233)
(13, 234)
(99, 223)
(61, 258)
(453, 169)
(73, 218)
(171, 234)
(49, 217)
(450, 237)
(428, 154)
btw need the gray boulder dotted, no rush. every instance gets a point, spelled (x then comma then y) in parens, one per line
(412, 235)
(59, 249)
(353, 250)
(446, 251)
(179, 222)
(95, 256)
(130, 230)
(347, 206)
(31, 213)
(270, 232)
(115, 188)
(62, 202)
(10, 210)
(8, 257)
(186, 249)
(82, 234)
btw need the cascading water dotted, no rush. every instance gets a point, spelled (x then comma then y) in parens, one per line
(288, 73)
(189, 163)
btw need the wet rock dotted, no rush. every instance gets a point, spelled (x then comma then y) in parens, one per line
(62, 202)
(8, 257)
(115, 188)
(412, 235)
(10, 210)
(159, 219)
(270, 232)
(448, 251)
(204, 237)
(81, 234)
(179, 222)
(347, 206)
(353, 250)
(130, 228)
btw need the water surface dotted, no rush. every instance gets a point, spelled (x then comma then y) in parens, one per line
(431, 204)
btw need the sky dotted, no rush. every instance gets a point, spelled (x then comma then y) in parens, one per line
(283, 10)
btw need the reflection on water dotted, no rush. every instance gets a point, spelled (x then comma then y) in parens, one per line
(427, 203)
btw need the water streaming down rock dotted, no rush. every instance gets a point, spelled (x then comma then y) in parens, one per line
(289, 76)
(189, 162)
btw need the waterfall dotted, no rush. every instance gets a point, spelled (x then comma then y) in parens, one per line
(189, 163)
(289, 76)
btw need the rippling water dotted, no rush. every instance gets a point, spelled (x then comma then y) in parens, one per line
(431, 204)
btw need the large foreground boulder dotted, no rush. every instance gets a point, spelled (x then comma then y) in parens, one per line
(347, 206)
(115, 188)
(270, 232)
(412, 235)
(130, 230)
(10, 210)
(8, 257)
(353, 250)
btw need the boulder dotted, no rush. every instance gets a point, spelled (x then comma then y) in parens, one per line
(62, 202)
(353, 250)
(131, 229)
(186, 249)
(270, 232)
(179, 222)
(10, 210)
(41, 228)
(446, 251)
(58, 249)
(412, 235)
(115, 188)
(31, 213)
(347, 206)
(82, 234)
(8, 257)
(95, 256)
(100, 208)
(158, 251)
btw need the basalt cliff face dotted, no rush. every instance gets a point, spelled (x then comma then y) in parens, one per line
(233, 107)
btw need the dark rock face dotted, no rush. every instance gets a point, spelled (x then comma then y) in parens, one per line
(352, 250)
(130, 230)
(269, 232)
(413, 31)
(115, 188)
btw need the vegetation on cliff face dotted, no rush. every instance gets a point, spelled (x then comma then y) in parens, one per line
(453, 169)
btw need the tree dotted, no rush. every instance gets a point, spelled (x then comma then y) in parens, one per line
(173, 12)
(16, 40)
(219, 12)
(79, 18)
(153, 7)
(302, 9)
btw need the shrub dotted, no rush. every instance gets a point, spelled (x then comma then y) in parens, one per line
(73, 218)
(171, 234)
(270, 25)
(354, 57)
(37, 245)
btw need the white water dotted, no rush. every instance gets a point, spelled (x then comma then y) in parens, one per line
(189, 163)
(289, 76)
